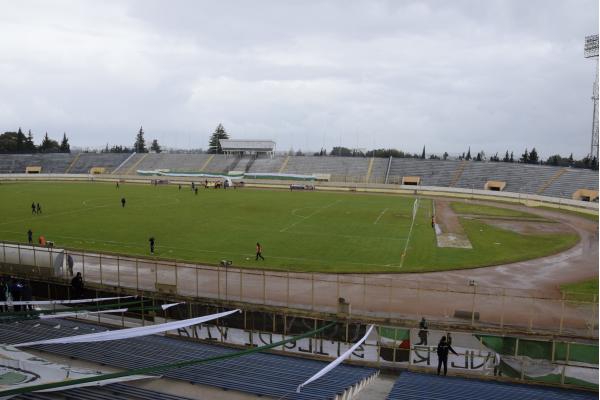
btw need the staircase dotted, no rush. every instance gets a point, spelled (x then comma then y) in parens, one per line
(70, 167)
(458, 173)
(369, 170)
(284, 165)
(550, 181)
(203, 167)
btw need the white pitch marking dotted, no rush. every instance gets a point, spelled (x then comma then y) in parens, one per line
(380, 215)
(414, 216)
(318, 210)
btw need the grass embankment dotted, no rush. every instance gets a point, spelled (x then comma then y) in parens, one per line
(581, 291)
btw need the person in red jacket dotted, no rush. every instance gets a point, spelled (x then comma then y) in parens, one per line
(259, 251)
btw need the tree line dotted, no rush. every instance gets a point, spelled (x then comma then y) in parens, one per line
(18, 142)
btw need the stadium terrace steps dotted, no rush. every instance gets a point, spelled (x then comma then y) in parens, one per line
(379, 169)
(86, 161)
(260, 374)
(431, 172)
(519, 178)
(53, 163)
(414, 386)
(336, 166)
(172, 162)
(115, 391)
(267, 164)
(567, 183)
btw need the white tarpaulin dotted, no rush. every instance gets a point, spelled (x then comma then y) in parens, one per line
(83, 313)
(50, 302)
(79, 313)
(335, 362)
(130, 332)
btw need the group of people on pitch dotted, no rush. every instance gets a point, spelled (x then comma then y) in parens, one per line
(152, 242)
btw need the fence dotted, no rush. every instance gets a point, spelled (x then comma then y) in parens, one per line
(377, 296)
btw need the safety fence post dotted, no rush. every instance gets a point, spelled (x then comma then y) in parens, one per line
(264, 287)
(241, 286)
(312, 291)
(118, 272)
(100, 267)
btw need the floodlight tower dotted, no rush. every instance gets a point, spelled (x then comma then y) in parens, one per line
(591, 51)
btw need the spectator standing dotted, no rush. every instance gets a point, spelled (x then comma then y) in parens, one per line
(29, 236)
(423, 332)
(77, 286)
(442, 352)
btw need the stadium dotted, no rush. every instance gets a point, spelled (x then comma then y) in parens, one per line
(347, 242)
(216, 265)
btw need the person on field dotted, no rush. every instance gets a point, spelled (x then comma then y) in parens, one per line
(196, 191)
(123, 201)
(29, 237)
(33, 208)
(77, 286)
(151, 240)
(117, 184)
(423, 332)
(70, 264)
(3, 295)
(442, 352)
(38, 209)
(432, 221)
(259, 251)
(179, 187)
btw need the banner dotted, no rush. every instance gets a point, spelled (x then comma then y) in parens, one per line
(129, 332)
(335, 362)
(50, 302)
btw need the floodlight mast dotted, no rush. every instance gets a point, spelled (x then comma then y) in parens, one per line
(590, 50)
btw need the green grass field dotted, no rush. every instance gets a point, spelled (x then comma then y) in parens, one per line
(299, 231)
(581, 291)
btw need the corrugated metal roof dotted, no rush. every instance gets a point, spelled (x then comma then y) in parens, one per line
(229, 144)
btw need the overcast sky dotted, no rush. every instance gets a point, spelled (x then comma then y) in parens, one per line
(447, 74)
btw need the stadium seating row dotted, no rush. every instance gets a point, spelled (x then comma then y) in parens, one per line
(519, 178)
(414, 386)
(259, 373)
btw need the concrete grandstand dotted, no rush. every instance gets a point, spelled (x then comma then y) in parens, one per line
(544, 180)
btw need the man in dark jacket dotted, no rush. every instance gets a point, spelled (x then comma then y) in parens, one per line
(442, 352)
(77, 286)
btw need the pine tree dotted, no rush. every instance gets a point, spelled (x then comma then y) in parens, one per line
(533, 156)
(64, 144)
(29, 145)
(571, 159)
(468, 157)
(423, 153)
(445, 155)
(155, 147)
(140, 143)
(506, 157)
(214, 146)
(20, 141)
(512, 159)
(525, 157)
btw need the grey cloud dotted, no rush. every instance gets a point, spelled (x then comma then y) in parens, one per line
(493, 75)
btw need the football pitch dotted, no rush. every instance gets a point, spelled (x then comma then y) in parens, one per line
(299, 231)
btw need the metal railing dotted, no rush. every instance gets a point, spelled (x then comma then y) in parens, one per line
(378, 296)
